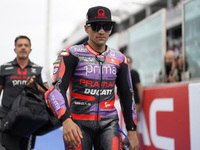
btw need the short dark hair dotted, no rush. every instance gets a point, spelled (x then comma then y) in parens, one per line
(22, 37)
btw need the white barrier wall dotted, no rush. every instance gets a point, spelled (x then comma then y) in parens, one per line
(194, 107)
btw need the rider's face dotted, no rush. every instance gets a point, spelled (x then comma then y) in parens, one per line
(98, 38)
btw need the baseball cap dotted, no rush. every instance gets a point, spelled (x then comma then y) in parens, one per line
(98, 14)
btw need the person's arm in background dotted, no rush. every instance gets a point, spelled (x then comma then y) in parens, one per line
(127, 101)
(41, 89)
(30, 84)
(41, 78)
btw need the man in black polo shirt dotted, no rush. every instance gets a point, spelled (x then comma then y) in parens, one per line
(13, 77)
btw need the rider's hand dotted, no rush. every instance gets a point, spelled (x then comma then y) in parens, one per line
(133, 140)
(71, 133)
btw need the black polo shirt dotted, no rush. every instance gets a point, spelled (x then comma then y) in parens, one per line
(13, 79)
(135, 80)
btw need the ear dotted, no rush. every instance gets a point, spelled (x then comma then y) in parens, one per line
(15, 50)
(86, 28)
(110, 30)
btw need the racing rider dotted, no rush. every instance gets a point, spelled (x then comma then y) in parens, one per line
(91, 71)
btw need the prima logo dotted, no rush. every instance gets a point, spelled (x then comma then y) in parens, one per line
(19, 82)
(108, 70)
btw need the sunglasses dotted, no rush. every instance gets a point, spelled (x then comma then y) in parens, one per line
(97, 27)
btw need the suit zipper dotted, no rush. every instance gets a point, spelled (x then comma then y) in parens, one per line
(100, 63)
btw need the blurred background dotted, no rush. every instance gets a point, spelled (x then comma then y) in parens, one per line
(143, 28)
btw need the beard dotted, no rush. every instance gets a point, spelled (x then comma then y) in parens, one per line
(22, 57)
(23, 54)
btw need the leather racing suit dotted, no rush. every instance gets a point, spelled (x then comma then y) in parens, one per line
(91, 78)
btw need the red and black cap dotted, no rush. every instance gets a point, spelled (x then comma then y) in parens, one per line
(98, 14)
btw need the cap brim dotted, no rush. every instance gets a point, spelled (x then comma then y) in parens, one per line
(100, 21)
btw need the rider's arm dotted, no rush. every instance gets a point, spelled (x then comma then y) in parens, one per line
(125, 92)
(56, 97)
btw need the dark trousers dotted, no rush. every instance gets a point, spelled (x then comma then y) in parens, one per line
(11, 142)
(107, 138)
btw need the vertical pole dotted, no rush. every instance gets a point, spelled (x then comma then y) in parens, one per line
(47, 50)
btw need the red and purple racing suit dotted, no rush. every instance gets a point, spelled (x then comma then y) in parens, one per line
(92, 78)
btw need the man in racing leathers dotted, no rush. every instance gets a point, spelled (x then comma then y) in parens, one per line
(91, 71)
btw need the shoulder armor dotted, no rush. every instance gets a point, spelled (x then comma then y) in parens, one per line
(116, 54)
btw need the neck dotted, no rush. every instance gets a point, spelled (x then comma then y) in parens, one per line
(22, 62)
(97, 48)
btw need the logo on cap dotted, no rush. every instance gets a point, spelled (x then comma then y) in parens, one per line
(101, 14)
